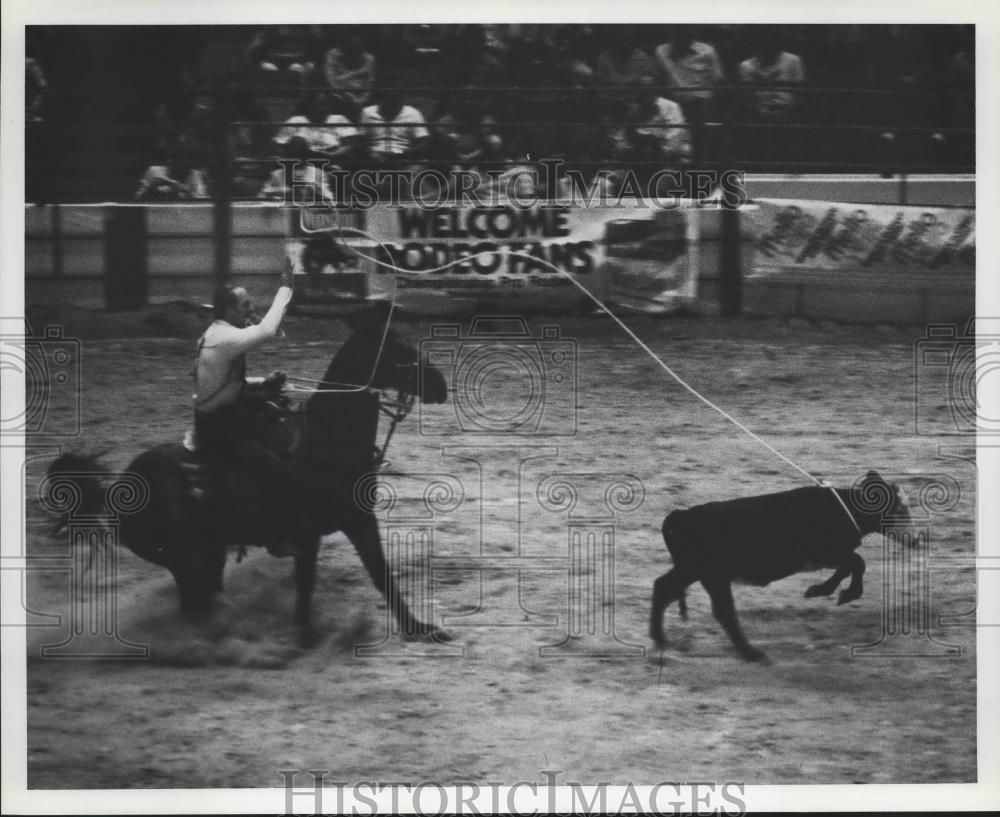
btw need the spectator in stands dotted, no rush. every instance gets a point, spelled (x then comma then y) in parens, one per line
(499, 36)
(175, 179)
(248, 179)
(391, 130)
(463, 130)
(769, 65)
(623, 63)
(693, 71)
(251, 145)
(572, 51)
(187, 121)
(301, 183)
(285, 48)
(617, 121)
(776, 106)
(349, 70)
(659, 133)
(497, 40)
(692, 68)
(328, 135)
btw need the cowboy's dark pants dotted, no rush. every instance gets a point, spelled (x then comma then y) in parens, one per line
(223, 437)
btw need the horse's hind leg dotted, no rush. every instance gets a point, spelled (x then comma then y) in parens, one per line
(364, 535)
(199, 578)
(191, 588)
(305, 581)
(215, 566)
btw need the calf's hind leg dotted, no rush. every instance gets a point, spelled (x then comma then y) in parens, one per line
(666, 589)
(721, 592)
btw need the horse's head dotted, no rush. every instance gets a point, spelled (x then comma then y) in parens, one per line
(382, 359)
(400, 369)
(342, 417)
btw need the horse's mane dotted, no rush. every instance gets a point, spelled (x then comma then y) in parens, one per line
(342, 418)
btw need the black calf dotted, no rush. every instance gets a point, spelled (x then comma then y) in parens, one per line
(757, 540)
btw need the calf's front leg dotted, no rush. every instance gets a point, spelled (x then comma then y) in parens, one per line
(854, 589)
(826, 588)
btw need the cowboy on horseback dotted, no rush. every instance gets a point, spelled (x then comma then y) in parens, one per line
(313, 492)
(224, 409)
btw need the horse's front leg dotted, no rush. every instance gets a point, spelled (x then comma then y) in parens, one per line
(305, 580)
(364, 535)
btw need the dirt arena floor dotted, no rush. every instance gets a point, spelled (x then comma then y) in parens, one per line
(230, 702)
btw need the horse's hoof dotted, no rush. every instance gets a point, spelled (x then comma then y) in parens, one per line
(756, 657)
(815, 590)
(428, 632)
(846, 596)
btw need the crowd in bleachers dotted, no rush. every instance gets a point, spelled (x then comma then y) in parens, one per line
(592, 95)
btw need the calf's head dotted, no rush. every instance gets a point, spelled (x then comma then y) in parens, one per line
(875, 502)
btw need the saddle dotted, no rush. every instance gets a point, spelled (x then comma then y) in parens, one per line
(273, 424)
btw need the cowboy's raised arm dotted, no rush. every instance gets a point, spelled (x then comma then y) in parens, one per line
(242, 340)
(271, 321)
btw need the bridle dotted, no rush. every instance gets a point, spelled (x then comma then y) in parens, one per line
(397, 410)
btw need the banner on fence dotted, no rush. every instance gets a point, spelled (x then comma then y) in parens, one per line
(793, 235)
(500, 257)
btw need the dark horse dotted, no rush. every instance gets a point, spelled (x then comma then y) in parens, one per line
(189, 535)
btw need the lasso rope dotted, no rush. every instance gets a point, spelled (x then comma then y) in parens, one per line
(690, 389)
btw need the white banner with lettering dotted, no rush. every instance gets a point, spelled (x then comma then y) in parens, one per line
(795, 235)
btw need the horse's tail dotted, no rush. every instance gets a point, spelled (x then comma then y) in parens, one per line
(74, 485)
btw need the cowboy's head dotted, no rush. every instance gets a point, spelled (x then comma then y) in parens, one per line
(233, 305)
